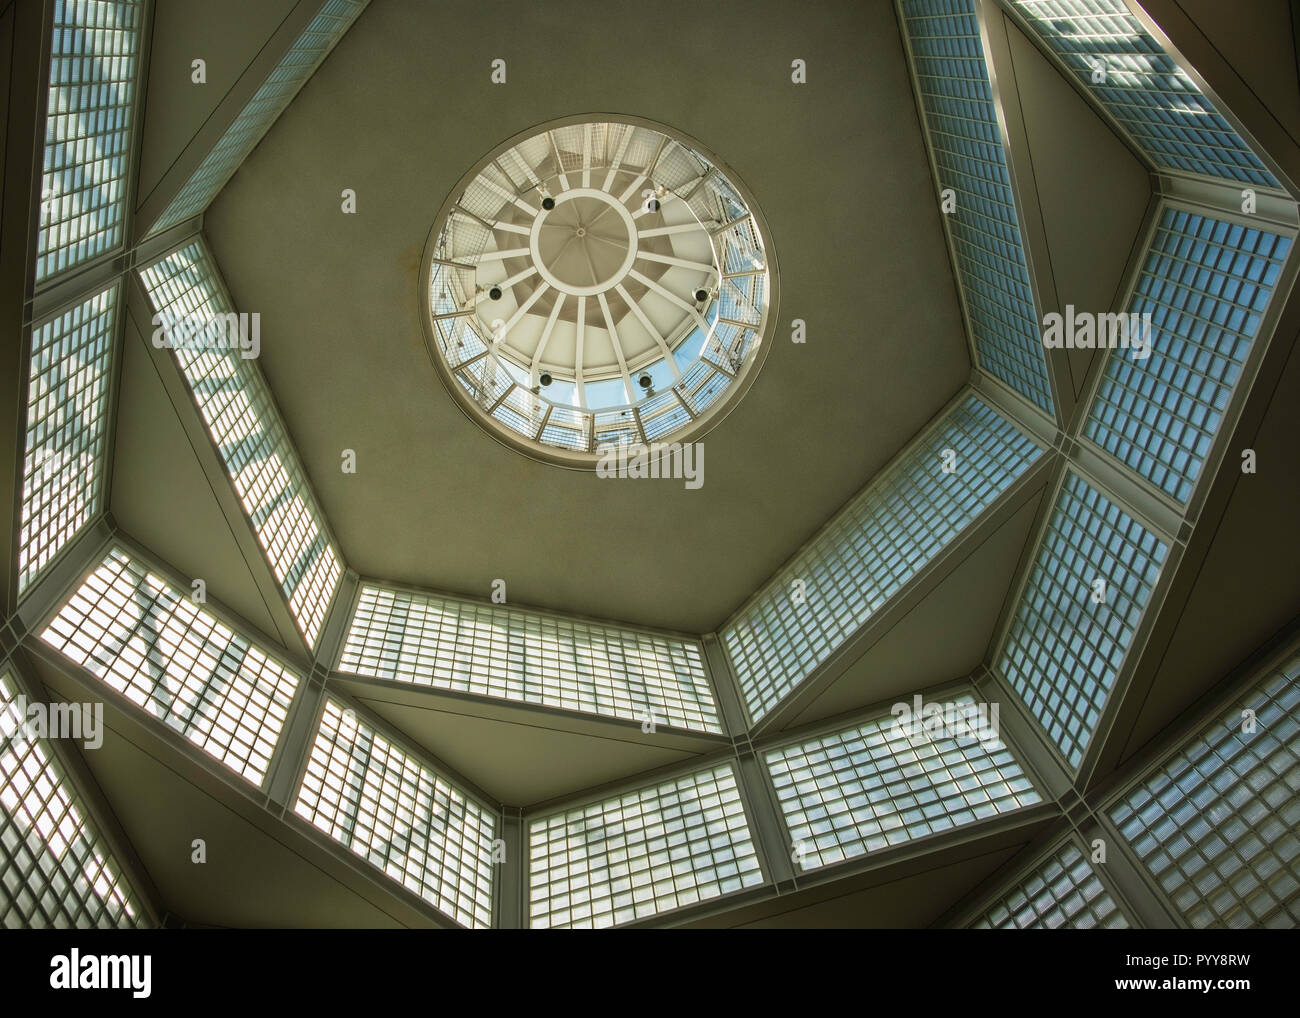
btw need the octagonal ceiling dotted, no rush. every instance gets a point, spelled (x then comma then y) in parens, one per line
(437, 503)
(840, 170)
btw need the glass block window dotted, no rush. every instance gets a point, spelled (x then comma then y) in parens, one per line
(871, 548)
(1218, 823)
(880, 784)
(149, 641)
(255, 119)
(1064, 649)
(1061, 892)
(400, 815)
(67, 420)
(93, 58)
(642, 853)
(1206, 284)
(1153, 99)
(529, 657)
(240, 413)
(54, 868)
(962, 127)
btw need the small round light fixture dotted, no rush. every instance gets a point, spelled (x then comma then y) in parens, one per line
(548, 203)
(545, 379)
(495, 293)
(701, 295)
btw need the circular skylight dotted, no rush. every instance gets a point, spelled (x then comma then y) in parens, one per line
(597, 282)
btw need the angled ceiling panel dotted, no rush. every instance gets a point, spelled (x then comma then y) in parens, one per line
(1080, 166)
(348, 363)
(226, 36)
(165, 509)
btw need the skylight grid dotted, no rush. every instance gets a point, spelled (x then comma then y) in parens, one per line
(1218, 824)
(529, 657)
(54, 868)
(1154, 99)
(962, 127)
(1064, 648)
(93, 60)
(562, 304)
(255, 119)
(237, 406)
(1062, 892)
(401, 816)
(67, 422)
(641, 854)
(871, 548)
(880, 784)
(149, 641)
(1206, 284)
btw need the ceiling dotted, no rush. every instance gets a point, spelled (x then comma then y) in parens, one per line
(435, 501)
(840, 171)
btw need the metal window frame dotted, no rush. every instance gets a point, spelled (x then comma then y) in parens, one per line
(1090, 452)
(569, 718)
(643, 781)
(115, 540)
(209, 135)
(1021, 868)
(877, 712)
(86, 793)
(365, 715)
(112, 370)
(1162, 40)
(1141, 631)
(308, 492)
(1173, 741)
(1037, 264)
(63, 290)
(852, 647)
(84, 274)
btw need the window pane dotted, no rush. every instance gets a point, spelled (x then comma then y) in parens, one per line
(529, 657)
(864, 556)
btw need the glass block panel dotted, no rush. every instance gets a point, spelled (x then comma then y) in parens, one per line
(55, 870)
(1218, 823)
(149, 641)
(1061, 892)
(529, 657)
(1162, 109)
(1205, 283)
(962, 128)
(93, 63)
(400, 815)
(255, 119)
(67, 420)
(1065, 648)
(871, 548)
(642, 853)
(240, 413)
(880, 784)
